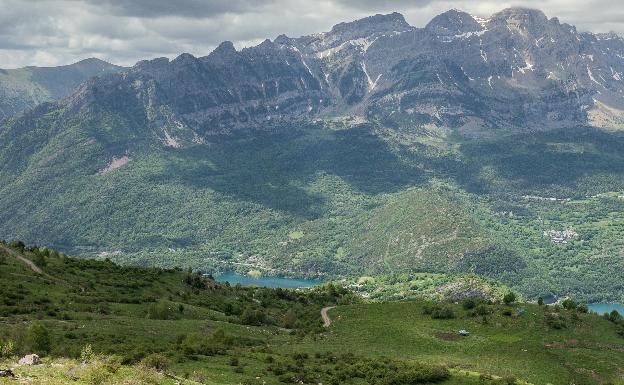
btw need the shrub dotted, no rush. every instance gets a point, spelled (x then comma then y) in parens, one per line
(469, 303)
(418, 374)
(509, 298)
(156, 361)
(7, 349)
(86, 354)
(254, 317)
(289, 319)
(112, 363)
(18, 245)
(443, 312)
(95, 375)
(38, 338)
(234, 361)
(555, 321)
(582, 308)
(162, 310)
(482, 310)
(614, 316)
(540, 301)
(569, 304)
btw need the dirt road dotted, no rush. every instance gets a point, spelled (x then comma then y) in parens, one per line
(326, 320)
(22, 259)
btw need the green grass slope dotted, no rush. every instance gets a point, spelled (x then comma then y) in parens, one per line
(98, 323)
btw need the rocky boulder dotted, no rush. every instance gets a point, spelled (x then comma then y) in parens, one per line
(31, 359)
(6, 373)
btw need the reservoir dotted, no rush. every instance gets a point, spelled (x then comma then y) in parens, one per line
(274, 282)
(602, 308)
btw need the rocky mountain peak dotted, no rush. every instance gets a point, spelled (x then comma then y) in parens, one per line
(453, 22)
(150, 66)
(525, 17)
(283, 40)
(517, 68)
(184, 58)
(373, 24)
(225, 48)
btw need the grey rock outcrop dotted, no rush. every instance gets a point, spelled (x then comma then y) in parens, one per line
(30, 359)
(517, 69)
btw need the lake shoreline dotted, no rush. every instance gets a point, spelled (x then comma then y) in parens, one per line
(267, 281)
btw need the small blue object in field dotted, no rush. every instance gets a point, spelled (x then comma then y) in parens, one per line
(464, 333)
(520, 310)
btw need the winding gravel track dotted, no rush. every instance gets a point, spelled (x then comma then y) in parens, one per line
(22, 259)
(326, 320)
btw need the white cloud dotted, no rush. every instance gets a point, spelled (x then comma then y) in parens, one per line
(54, 32)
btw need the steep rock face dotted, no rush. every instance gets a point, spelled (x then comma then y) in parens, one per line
(517, 69)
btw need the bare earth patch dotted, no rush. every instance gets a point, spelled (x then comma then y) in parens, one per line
(115, 164)
(446, 336)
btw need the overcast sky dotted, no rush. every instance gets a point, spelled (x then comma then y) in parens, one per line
(55, 32)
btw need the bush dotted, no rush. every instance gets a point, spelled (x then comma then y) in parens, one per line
(253, 317)
(443, 312)
(555, 321)
(569, 304)
(162, 310)
(410, 374)
(112, 363)
(289, 319)
(614, 316)
(582, 308)
(95, 375)
(86, 354)
(482, 310)
(509, 298)
(469, 303)
(156, 361)
(38, 338)
(7, 349)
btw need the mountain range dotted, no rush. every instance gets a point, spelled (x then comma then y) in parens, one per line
(24, 88)
(466, 145)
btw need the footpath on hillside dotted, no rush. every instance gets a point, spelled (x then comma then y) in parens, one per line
(326, 320)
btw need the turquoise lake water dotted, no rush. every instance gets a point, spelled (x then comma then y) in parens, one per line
(602, 308)
(285, 283)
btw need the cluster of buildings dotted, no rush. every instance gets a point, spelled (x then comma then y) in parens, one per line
(563, 236)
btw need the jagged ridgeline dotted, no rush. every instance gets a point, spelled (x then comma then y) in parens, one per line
(377, 147)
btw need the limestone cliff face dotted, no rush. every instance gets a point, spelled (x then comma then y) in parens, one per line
(517, 69)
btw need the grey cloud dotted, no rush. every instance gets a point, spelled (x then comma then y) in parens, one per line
(54, 32)
(372, 5)
(186, 8)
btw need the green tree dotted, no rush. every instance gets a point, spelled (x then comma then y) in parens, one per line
(289, 319)
(38, 338)
(614, 316)
(540, 301)
(509, 298)
(569, 304)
